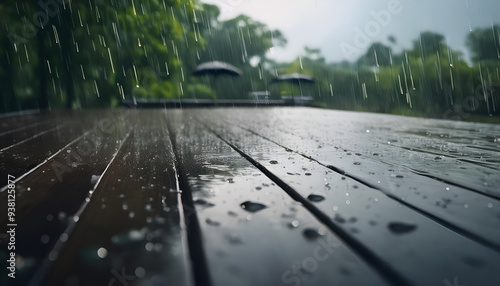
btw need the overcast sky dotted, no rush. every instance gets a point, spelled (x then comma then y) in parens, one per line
(332, 25)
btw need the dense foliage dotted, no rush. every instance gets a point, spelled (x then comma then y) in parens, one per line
(61, 53)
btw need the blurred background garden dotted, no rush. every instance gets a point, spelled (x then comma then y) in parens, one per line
(57, 54)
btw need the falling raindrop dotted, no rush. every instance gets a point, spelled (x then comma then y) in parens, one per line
(111, 61)
(136, 79)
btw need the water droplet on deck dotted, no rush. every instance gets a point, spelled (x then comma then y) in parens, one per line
(102, 252)
(137, 234)
(311, 234)
(315, 198)
(293, 224)
(61, 215)
(401, 228)
(212, 222)
(202, 202)
(234, 239)
(149, 246)
(252, 207)
(338, 218)
(140, 272)
(474, 262)
(53, 255)
(94, 179)
(45, 239)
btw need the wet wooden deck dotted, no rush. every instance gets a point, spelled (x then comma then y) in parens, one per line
(248, 196)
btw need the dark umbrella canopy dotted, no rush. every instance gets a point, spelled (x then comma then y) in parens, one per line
(216, 68)
(294, 78)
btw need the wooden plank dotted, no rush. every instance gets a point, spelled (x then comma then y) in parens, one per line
(30, 130)
(272, 246)
(460, 153)
(414, 245)
(469, 213)
(20, 121)
(48, 198)
(133, 215)
(24, 157)
(17, 138)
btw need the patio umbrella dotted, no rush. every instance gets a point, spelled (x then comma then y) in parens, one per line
(216, 68)
(295, 78)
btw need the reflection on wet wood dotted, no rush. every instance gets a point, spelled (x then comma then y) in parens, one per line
(247, 196)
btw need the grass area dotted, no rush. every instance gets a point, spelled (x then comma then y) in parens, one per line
(483, 119)
(412, 113)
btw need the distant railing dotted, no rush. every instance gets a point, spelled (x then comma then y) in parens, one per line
(190, 103)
